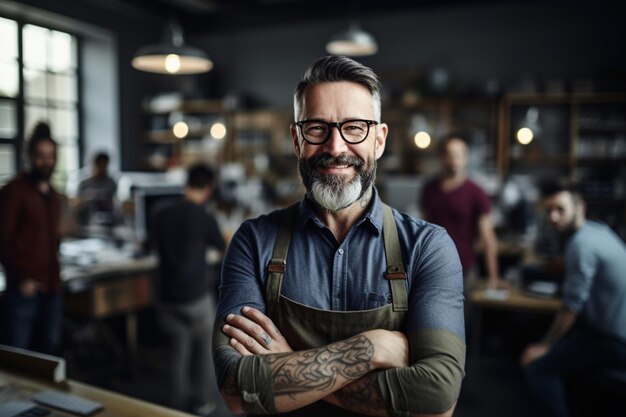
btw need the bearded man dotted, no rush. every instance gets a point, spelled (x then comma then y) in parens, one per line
(30, 227)
(588, 333)
(340, 305)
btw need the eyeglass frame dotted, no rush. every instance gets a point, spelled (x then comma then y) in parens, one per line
(338, 125)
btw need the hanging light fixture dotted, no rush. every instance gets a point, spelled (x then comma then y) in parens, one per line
(172, 56)
(354, 41)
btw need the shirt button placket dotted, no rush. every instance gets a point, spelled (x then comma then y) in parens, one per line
(338, 298)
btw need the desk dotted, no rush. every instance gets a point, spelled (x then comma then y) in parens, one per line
(105, 290)
(115, 405)
(517, 300)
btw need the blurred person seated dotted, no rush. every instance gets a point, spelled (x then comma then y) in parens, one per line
(95, 202)
(588, 333)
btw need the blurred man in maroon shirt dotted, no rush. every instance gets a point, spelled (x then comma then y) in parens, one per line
(458, 204)
(30, 223)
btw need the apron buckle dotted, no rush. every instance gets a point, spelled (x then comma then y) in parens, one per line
(277, 265)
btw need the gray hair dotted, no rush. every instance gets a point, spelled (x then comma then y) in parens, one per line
(334, 69)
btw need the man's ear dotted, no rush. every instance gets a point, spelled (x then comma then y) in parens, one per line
(295, 139)
(381, 139)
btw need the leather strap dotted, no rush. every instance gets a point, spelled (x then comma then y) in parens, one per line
(395, 267)
(277, 265)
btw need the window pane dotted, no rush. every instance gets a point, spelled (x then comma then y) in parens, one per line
(35, 46)
(67, 161)
(7, 163)
(65, 123)
(8, 34)
(63, 88)
(9, 79)
(63, 51)
(33, 115)
(35, 85)
(8, 121)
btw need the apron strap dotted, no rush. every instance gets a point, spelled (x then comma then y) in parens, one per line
(395, 267)
(277, 265)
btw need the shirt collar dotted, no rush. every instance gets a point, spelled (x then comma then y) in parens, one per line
(373, 215)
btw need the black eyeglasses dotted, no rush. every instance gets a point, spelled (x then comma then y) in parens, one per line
(352, 131)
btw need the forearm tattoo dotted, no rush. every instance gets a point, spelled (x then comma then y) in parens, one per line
(318, 369)
(362, 396)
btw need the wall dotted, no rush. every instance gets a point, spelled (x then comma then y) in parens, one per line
(508, 43)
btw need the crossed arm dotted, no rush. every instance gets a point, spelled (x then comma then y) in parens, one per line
(344, 373)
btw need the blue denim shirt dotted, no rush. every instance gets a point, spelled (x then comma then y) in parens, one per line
(346, 276)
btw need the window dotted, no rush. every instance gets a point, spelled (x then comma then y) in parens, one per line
(39, 68)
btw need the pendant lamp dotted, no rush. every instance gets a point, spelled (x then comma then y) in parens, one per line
(172, 56)
(353, 42)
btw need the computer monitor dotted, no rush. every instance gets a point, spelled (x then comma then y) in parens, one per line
(148, 200)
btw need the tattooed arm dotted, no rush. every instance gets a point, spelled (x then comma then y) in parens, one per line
(362, 395)
(301, 378)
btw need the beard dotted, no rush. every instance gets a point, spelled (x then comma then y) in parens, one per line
(41, 173)
(569, 228)
(335, 192)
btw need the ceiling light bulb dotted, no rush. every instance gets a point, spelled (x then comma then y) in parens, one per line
(422, 140)
(218, 131)
(172, 63)
(180, 130)
(525, 136)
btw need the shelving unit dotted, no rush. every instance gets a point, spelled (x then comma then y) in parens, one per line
(476, 118)
(580, 137)
(161, 149)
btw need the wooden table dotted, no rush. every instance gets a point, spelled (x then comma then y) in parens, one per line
(115, 405)
(517, 300)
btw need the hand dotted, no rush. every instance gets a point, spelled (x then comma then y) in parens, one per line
(29, 287)
(254, 334)
(391, 348)
(534, 352)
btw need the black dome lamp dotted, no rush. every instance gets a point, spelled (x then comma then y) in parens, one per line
(172, 56)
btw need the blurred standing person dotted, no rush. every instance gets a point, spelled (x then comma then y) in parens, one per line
(30, 233)
(96, 194)
(588, 332)
(182, 233)
(461, 206)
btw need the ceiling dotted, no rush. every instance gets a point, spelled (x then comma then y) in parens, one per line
(205, 16)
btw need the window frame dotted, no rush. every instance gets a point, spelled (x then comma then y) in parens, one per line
(21, 102)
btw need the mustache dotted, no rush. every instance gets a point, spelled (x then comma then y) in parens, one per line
(326, 160)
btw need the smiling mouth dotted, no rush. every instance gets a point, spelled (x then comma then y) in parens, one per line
(334, 168)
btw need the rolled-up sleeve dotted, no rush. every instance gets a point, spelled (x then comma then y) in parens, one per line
(432, 383)
(242, 284)
(436, 333)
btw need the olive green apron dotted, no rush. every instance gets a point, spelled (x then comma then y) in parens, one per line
(307, 327)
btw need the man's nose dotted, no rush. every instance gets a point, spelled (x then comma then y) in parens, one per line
(335, 144)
